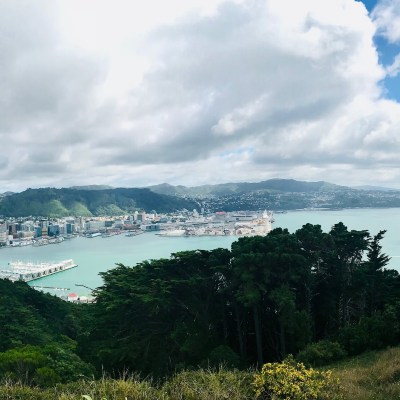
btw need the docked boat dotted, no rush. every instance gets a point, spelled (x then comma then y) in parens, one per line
(92, 235)
(173, 233)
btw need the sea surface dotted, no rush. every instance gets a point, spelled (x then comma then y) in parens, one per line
(99, 254)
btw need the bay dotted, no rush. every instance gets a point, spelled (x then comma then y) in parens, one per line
(100, 254)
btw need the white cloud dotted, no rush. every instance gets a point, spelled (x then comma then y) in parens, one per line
(192, 92)
(394, 69)
(386, 16)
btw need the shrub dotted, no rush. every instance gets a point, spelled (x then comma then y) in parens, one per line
(291, 381)
(320, 353)
(222, 355)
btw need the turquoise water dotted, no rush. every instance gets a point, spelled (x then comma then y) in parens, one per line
(100, 254)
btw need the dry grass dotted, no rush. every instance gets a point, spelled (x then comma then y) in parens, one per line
(210, 385)
(188, 385)
(371, 376)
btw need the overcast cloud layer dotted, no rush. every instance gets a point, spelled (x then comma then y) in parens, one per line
(102, 92)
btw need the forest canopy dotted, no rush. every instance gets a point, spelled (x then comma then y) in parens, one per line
(265, 298)
(316, 295)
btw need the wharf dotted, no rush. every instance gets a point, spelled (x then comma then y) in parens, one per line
(28, 271)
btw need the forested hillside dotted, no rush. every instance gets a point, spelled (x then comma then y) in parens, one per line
(267, 297)
(319, 296)
(39, 336)
(87, 202)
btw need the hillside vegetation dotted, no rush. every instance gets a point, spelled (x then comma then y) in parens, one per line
(319, 296)
(371, 376)
(88, 202)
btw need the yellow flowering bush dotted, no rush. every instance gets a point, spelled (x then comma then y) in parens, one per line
(290, 380)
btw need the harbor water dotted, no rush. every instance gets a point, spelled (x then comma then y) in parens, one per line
(99, 254)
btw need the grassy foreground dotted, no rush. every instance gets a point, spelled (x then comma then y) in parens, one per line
(370, 376)
(374, 375)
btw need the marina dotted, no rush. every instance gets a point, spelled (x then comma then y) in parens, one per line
(29, 271)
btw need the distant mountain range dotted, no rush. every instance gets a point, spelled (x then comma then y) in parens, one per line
(92, 187)
(273, 194)
(272, 185)
(378, 188)
(282, 194)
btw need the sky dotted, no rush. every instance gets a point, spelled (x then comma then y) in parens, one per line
(130, 94)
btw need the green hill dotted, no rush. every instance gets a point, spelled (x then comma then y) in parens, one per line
(86, 202)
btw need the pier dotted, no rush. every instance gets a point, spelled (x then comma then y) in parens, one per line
(49, 287)
(28, 271)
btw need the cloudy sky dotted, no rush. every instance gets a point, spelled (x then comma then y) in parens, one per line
(131, 93)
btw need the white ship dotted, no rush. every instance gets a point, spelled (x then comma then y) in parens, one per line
(29, 271)
(173, 233)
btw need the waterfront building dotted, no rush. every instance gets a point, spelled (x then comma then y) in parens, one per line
(118, 223)
(69, 228)
(44, 223)
(141, 217)
(94, 225)
(73, 297)
(53, 230)
(13, 228)
(220, 216)
(38, 231)
(150, 227)
(3, 234)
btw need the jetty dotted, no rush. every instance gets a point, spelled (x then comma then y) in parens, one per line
(29, 271)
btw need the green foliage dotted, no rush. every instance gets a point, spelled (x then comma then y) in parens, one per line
(375, 332)
(46, 377)
(321, 353)
(291, 381)
(43, 366)
(80, 209)
(266, 298)
(67, 365)
(371, 376)
(61, 202)
(222, 355)
(38, 336)
(56, 209)
(28, 316)
(21, 364)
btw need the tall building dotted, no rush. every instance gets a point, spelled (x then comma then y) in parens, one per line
(53, 230)
(3, 234)
(38, 231)
(69, 228)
